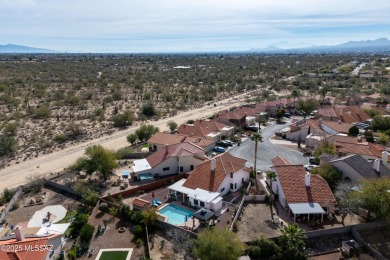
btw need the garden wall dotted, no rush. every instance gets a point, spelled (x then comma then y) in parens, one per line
(11, 203)
(150, 186)
(60, 187)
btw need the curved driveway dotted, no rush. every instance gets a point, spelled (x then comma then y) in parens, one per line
(267, 150)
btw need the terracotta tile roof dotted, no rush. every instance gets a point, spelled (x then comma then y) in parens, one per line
(210, 124)
(338, 126)
(344, 139)
(166, 138)
(249, 111)
(175, 150)
(367, 148)
(231, 115)
(202, 177)
(278, 160)
(202, 142)
(140, 203)
(26, 243)
(326, 112)
(292, 181)
(192, 130)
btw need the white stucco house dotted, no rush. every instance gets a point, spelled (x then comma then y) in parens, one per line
(211, 180)
(172, 159)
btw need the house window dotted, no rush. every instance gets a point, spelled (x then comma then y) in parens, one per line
(196, 202)
(165, 169)
(191, 167)
(222, 190)
(235, 185)
(201, 203)
(181, 169)
(231, 175)
(231, 186)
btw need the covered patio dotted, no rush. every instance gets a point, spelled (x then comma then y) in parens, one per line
(308, 209)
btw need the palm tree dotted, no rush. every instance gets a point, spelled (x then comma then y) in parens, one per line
(272, 177)
(293, 242)
(257, 137)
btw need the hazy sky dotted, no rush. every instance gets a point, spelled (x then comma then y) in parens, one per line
(189, 25)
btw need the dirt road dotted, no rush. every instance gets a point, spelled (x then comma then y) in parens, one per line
(19, 174)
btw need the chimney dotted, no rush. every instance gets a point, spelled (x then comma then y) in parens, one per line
(320, 122)
(19, 235)
(339, 122)
(377, 164)
(359, 138)
(166, 148)
(213, 165)
(385, 157)
(307, 179)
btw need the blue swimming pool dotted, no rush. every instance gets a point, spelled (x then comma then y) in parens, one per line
(175, 214)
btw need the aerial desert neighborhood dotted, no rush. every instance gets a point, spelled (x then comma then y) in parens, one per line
(205, 130)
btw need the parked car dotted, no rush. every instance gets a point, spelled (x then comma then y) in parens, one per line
(309, 167)
(219, 149)
(287, 115)
(223, 144)
(252, 128)
(230, 143)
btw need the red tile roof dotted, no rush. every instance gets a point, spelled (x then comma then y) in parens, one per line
(278, 160)
(292, 181)
(202, 177)
(326, 112)
(192, 130)
(24, 244)
(166, 138)
(210, 124)
(175, 150)
(338, 126)
(231, 115)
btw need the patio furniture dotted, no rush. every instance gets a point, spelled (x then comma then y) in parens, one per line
(154, 203)
(157, 201)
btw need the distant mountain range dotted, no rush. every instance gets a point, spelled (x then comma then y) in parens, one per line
(12, 48)
(378, 45)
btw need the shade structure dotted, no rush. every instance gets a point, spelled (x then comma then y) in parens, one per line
(306, 208)
(203, 214)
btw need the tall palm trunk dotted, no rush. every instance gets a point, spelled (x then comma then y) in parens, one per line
(255, 169)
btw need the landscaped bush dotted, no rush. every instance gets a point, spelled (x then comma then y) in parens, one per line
(86, 234)
(138, 231)
(103, 207)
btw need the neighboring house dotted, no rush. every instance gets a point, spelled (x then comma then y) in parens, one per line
(366, 149)
(232, 118)
(296, 186)
(251, 111)
(198, 131)
(30, 247)
(345, 114)
(334, 128)
(288, 104)
(177, 158)
(356, 167)
(302, 128)
(326, 158)
(159, 140)
(211, 180)
(327, 114)
(224, 129)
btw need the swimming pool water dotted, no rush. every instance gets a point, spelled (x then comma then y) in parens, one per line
(176, 215)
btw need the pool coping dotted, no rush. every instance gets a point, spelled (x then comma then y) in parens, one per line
(129, 250)
(167, 218)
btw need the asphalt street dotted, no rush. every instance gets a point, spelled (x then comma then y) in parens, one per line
(267, 150)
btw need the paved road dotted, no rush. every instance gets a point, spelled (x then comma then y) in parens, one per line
(267, 150)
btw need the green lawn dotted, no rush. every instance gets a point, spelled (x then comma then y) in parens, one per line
(117, 255)
(69, 214)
